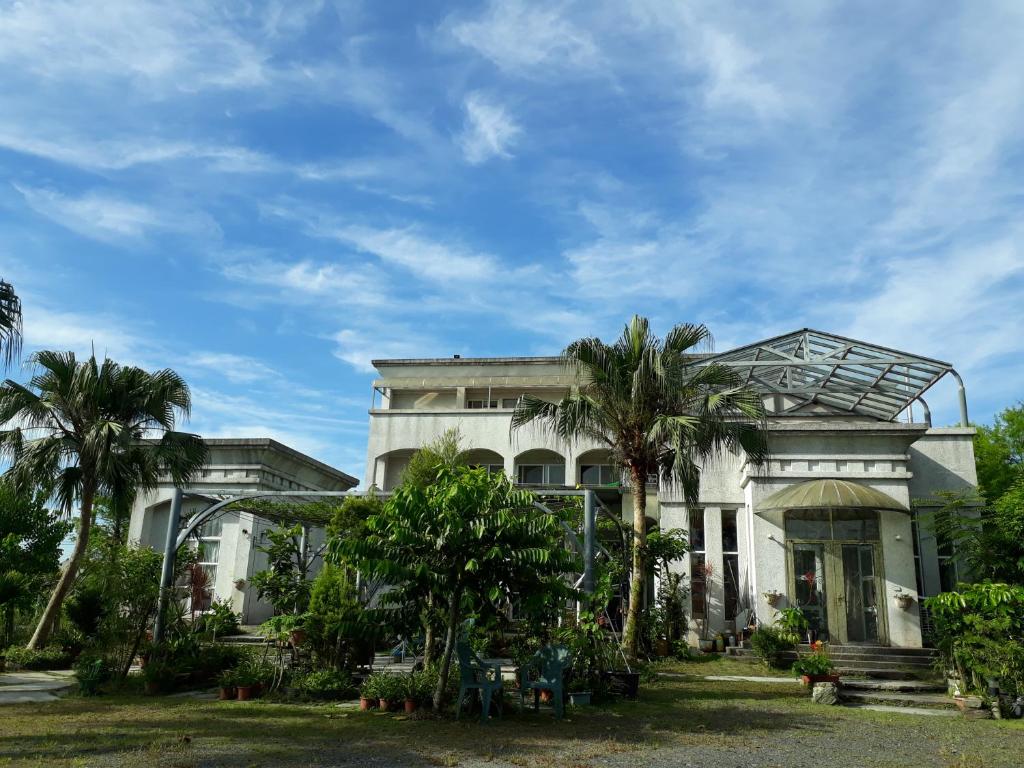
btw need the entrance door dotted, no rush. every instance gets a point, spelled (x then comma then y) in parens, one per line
(835, 584)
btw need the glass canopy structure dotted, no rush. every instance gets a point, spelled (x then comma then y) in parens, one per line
(809, 366)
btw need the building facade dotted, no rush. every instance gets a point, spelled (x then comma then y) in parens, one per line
(228, 544)
(839, 409)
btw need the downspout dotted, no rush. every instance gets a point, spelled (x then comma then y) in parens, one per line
(963, 398)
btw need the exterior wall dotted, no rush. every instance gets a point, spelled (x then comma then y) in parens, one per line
(906, 461)
(240, 466)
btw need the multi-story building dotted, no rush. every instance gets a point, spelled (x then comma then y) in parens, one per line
(229, 543)
(840, 409)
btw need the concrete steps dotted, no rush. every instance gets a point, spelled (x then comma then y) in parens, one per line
(898, 695)
(874, 661)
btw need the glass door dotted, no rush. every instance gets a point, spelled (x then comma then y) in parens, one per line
(860, 593)
(809, 587)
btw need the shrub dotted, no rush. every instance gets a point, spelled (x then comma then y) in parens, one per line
(91, 673)
(324, 684)
(51, 657)
(770, 643)
(220, 621)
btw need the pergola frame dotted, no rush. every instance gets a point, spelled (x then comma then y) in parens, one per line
(812, 366)
(178, 534)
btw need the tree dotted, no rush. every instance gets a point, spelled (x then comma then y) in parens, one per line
(988, 539)
(10, 324)
(472, 541)
(285, 583)
(659, 411)
(999, 453)
(84, 428)
(30, 539)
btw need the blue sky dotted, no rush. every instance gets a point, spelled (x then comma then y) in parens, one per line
(266, 197)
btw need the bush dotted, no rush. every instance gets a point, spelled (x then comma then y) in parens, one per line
(220, 621)
(91, 673)
(324, 684)
(979, 632)
(770, 643)
(818, 662)
(51, 657)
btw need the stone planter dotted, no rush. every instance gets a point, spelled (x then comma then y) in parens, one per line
(904, 601)
(580, 698)
(773, 598)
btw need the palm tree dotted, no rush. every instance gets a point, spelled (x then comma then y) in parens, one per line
(83, 428)
(10, 324)
(659, 411)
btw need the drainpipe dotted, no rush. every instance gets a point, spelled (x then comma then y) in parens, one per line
(963, 399)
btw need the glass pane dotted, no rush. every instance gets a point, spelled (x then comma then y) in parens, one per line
(697, 530)
(859, 591)
(856, 524)
(211, 528)
(531, 474)
(731, 564)
(509, 402)
(556, 474)
(608, 474)
(209, 551)
(730, 541)
(947, 574)
(697, 584)
(808, 524)
(809, 586)
(590, 474)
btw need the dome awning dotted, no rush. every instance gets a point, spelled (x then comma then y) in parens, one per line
(830, 494)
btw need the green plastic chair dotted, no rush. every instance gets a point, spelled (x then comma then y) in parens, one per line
(477, 675)
(545, 671)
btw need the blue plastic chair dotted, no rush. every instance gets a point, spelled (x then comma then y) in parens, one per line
(545, 671)
(477, 675)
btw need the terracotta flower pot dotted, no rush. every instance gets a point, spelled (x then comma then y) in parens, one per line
(812, 679)
(385, 704)
(410, 706)
(227, 692)
(366, 704)
(245, 692)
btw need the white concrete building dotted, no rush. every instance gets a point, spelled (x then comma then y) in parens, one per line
(840, 409)
(230, 540)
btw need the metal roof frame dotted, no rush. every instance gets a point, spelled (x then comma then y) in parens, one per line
(857, 377)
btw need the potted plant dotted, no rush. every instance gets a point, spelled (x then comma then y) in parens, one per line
(247, 680)
(816, 666)
(157, 676)
(794, 622)
(412, 692)
(227, 685)
(368, 693)
(773, 597)
(389, 691)
(904, 600)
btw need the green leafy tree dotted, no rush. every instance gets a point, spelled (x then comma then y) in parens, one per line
(10, 324)
(471, 540)
(84, 428)
(999, 453)
(30, 545)
(659, 411)
(988, 539)
(285, 582)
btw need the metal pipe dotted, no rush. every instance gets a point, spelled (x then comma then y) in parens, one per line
(964, 422)
(589, 521)
(167, 574)
(927, 411)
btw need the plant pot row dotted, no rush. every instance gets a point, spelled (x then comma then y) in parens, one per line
(238, 692)
(387, 705)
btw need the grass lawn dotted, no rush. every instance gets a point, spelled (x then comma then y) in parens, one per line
(677, 722)
(714, 664)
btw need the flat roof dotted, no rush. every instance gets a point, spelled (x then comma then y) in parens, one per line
(274, 445)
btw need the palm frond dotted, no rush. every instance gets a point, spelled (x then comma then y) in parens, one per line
(10, 324)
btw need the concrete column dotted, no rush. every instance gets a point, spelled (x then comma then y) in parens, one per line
(460, 397)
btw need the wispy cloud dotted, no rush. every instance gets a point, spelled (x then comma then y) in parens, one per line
(489, 130)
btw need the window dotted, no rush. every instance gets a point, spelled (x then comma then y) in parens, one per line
(948, 574)
(492, 469)
(540, 474)
(481, 403)
(915, 534)
(509, 402)
(826, 525)
(698, 577)
(209, 535)
(730, 563)
(598, 474)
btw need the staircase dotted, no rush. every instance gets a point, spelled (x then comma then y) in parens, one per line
(877, 662)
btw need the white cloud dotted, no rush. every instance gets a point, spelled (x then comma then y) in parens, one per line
(360, 347)
(527, 39)
(309, 281)
(238, 369)
(105, 217)
(489, 130)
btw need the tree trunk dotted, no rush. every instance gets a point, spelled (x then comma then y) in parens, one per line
(449, 647)
(630, 634)
(428, 633)
(8, 625)
(52, 612)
